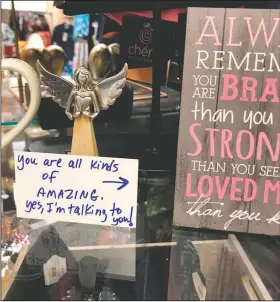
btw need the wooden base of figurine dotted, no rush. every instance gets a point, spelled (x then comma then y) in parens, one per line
(83, 141)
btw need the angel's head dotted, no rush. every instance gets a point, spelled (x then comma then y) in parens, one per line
(82, 78)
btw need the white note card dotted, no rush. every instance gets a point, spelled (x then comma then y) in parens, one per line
(82, 189)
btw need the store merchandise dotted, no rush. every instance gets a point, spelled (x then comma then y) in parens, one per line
(97, 22)
(8, 35)
(39, 39)
(39, 34)
(80, 53)
(22, 24)
(63, 36)
(53, 57)
(103, 60)
(8, 41)
(68, 69)
(30, 22)
(81, 26)
(80, 36)
(170, 263)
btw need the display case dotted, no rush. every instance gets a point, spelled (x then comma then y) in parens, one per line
(224, 271)
(214, 267)
(154, 262)
(55, 260)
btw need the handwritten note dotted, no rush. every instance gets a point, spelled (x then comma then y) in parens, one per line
(82, 189)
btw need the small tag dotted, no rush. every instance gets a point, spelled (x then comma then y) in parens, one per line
(64, 37)
(200, 288)
(54, 269)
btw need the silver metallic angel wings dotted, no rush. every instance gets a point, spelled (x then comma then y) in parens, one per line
(84, 97)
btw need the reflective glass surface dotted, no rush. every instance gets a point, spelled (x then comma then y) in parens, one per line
(155, 261)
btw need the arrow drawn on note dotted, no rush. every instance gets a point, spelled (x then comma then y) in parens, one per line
(124, 182)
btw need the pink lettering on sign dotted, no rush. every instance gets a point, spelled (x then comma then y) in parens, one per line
(244, 146)
(249, 87)
(239, 188)
(228, 165)
(271, 189)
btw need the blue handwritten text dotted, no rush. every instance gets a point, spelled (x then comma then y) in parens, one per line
(49, 176)
(75, 164)
(120, 219)
(100, 165)
(84, 209)
(50, 162)
(22, 161)
(68, 194)
(34, 205)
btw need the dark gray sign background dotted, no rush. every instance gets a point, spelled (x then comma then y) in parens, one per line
(196, 20)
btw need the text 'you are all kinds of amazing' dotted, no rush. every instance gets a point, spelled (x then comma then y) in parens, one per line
(63, 200)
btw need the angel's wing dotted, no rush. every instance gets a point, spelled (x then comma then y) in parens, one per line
(59, 88)
(110, 89)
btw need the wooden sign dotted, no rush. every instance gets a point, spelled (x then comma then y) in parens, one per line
(228, 164)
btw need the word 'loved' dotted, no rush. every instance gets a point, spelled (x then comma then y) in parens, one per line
(240, 189)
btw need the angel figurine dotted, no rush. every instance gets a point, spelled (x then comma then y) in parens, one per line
(85, 97)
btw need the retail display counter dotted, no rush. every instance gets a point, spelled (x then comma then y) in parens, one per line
(62, 260)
